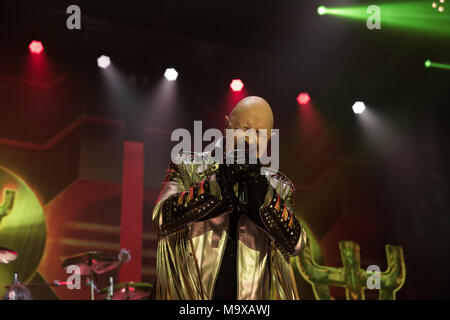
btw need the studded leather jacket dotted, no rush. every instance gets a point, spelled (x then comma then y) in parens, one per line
(192, 218)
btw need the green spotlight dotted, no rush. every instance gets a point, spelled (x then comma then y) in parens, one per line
(410, 16)
(430, 64)
(321, 10)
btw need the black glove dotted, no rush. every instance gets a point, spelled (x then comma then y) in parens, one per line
(256, 186)
(226, 178)
(253, 187)
(250, 174)
(249, 178)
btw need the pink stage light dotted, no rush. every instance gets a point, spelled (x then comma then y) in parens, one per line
(236, 85)
(303, 98)
(36, 47)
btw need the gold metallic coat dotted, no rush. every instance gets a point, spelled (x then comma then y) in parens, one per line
(189, 260)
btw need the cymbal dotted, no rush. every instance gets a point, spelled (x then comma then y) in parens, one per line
(129, 291)
(7, 255)
(95, 261)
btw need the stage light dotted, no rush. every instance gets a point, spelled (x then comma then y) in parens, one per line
(440, 8)
(321, 10)
(411, 16)
(236, 85)
(439, 65)
(303, 98)
(359, 107)
(36, 47)
(103, 61)
(171, 74)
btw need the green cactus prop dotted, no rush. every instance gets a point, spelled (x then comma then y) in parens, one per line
(351, 277)
(8, 202)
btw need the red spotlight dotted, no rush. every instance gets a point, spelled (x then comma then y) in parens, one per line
(36, 47)
(236, 85)
(303, 98)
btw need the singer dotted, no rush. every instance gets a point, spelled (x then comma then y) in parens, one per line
(227, 231)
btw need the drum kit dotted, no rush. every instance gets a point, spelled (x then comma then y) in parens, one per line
(91, 264)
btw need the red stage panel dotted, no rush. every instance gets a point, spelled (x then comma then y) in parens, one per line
(132, 204)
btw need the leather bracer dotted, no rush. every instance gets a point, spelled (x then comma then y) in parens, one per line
(282, 225)
(189, 205)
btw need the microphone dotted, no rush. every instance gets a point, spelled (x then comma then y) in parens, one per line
(243, 197)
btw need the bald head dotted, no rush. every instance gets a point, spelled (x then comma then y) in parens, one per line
(251, 113)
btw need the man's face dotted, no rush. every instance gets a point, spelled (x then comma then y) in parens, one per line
(258, 138)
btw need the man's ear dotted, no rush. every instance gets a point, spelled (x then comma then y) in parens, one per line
(225, 127)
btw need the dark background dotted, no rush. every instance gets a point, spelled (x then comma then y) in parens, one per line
(62, 127)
